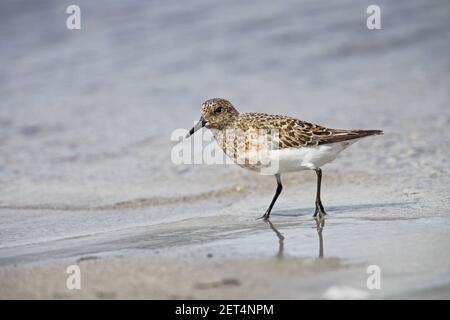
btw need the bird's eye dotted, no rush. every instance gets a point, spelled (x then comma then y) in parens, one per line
(218, 110)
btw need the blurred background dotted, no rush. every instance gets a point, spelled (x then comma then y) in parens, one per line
(86, 115)
(83, 111)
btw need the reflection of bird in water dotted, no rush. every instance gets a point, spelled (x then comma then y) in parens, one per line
(320, 224)
(280, 239)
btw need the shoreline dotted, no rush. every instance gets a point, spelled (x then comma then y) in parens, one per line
(223, 258)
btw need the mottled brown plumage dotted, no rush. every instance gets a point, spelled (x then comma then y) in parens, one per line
(220, 114)
(295, 133)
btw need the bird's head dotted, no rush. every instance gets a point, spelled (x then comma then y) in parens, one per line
(216, 113)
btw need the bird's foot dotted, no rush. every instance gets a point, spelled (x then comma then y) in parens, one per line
(264, 217)
(319, 213)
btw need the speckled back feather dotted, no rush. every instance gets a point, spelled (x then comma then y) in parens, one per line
(295, 133)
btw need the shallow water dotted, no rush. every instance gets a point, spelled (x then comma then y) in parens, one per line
(86, 119)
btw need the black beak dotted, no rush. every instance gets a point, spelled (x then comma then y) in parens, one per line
(200, 124)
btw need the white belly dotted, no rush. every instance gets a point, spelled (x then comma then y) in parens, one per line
(294, 159)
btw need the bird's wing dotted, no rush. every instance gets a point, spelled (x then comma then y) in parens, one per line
(295, 133)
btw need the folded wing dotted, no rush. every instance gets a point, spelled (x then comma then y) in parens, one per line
(295, 133)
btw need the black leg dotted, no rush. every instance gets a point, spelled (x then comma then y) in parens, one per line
(319, 207)
(266, 215)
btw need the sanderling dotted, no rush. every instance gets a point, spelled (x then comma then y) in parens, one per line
(295, 144)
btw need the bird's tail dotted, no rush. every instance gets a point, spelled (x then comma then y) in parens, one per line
(344, 135)
(366, 133)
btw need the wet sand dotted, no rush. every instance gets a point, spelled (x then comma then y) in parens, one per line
(86, 175)
(248, 261)
(232, 255)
